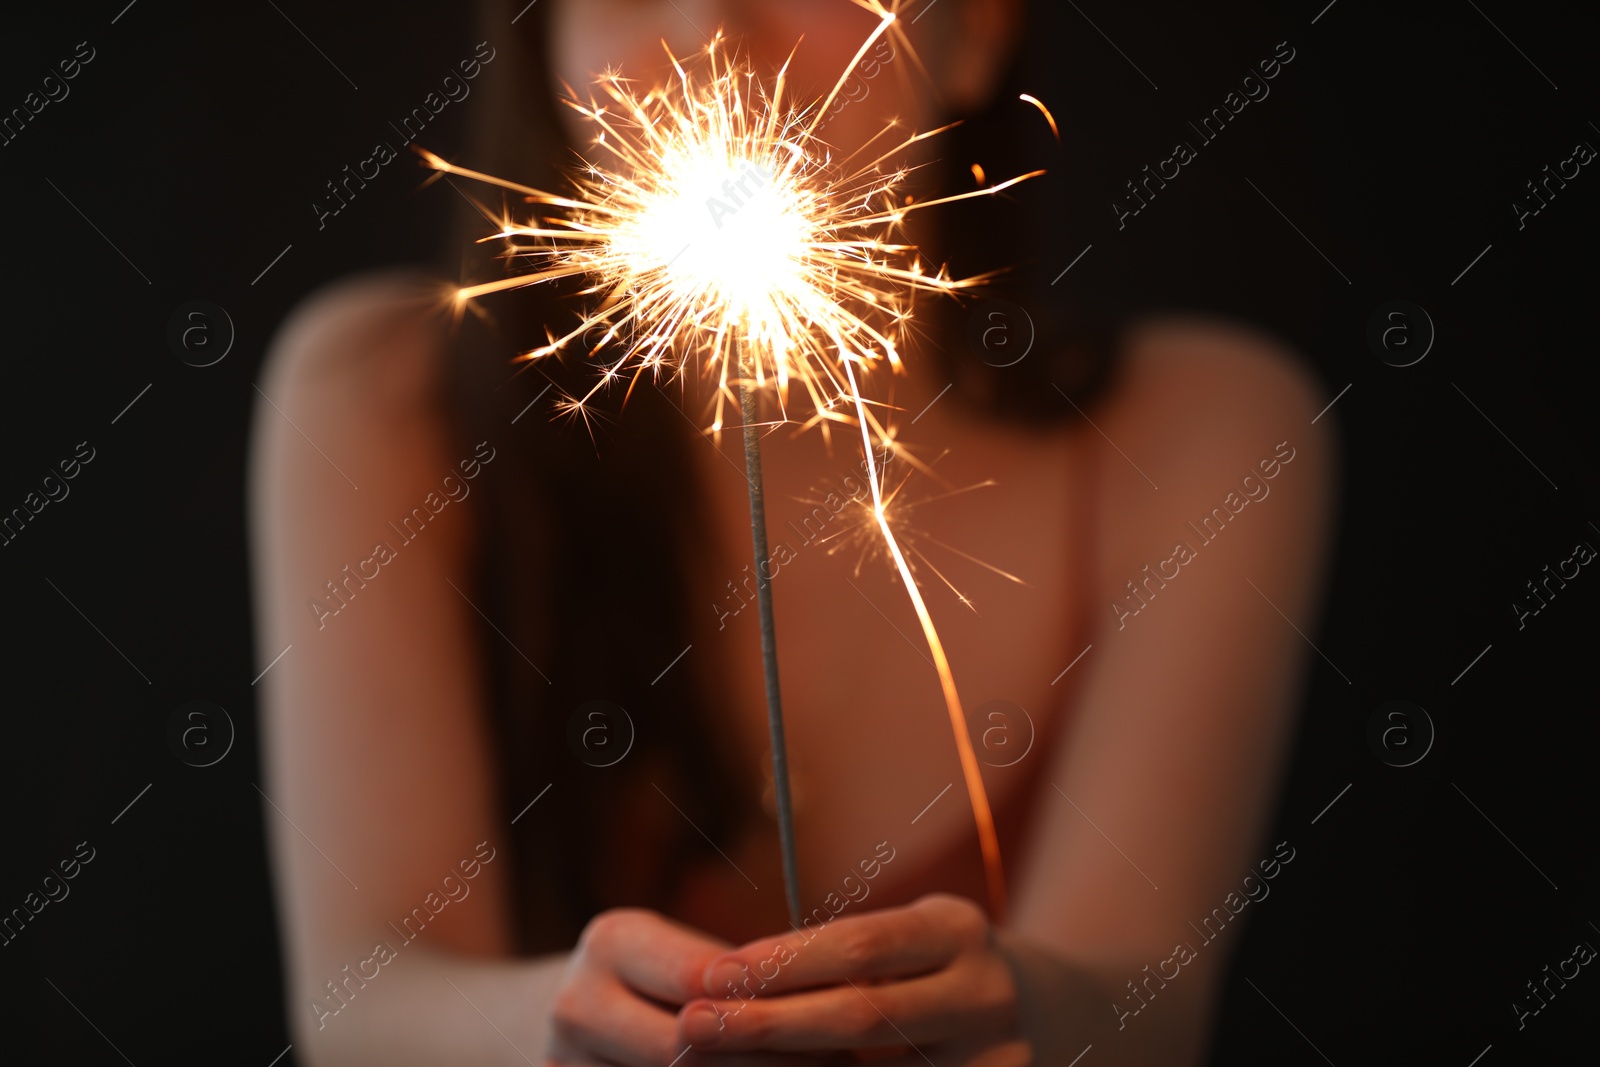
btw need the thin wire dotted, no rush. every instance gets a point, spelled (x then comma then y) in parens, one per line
(769, 641)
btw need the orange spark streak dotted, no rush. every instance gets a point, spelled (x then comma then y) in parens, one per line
(988, 839)
(1045, 111)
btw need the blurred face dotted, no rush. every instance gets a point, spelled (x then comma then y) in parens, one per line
(961, 42)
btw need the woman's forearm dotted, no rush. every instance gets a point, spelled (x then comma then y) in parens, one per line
(427, 1007)
(1066, 1007)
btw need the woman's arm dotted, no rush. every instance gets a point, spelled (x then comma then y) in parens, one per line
(374, 753)
(1162, 790)
(392, 885)
(1159, 793)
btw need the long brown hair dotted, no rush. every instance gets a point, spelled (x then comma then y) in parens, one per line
(580, 543)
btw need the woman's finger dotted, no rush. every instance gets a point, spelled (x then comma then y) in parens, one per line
(1008, 1053)
(927, 1010)
(561, 1056)
(607, 1025)
(894, 943)
(607, 1021)
(660, 958)
(761, 1059)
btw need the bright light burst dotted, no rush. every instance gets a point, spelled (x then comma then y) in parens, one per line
(710, 220)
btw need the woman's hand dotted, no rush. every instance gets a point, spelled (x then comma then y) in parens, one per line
(918, 983)
(614, 1007)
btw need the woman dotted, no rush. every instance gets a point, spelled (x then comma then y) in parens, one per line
(517, 742)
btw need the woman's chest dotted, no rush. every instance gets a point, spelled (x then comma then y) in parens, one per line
(995, 539)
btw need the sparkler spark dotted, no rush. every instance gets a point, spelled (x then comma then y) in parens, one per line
(859, 530)
(1026, 98)
(710, 220)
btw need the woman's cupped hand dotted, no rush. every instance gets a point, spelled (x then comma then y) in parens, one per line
(906, 986)
(625, 983)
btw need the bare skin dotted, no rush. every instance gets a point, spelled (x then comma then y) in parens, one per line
(1169, 747)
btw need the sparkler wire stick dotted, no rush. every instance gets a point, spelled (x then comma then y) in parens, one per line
(769, 638)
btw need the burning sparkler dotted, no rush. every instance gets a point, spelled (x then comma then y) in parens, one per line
(711, 219)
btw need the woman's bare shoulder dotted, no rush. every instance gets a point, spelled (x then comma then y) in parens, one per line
(1198, 388)
(1198, 404)
(351, 396)
(1211, 364)
(350, 425)
(382, 334)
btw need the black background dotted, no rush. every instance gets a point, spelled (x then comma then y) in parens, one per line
(1396, 142)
